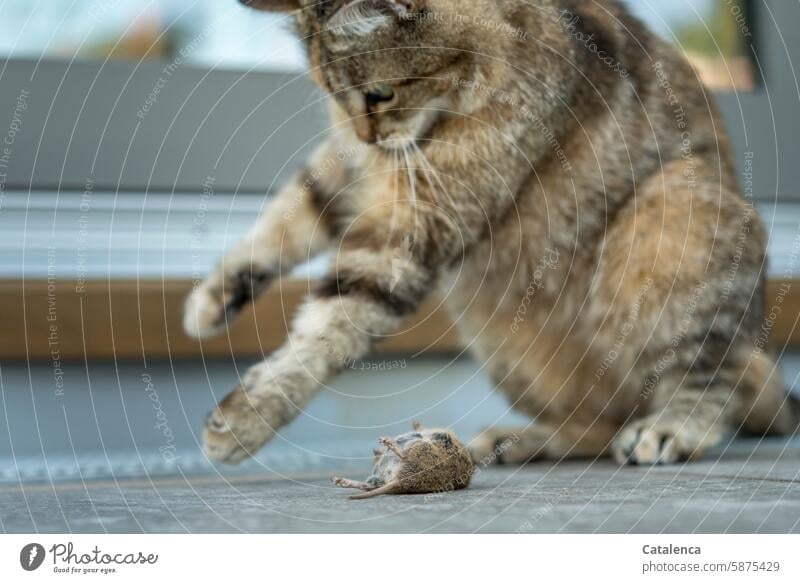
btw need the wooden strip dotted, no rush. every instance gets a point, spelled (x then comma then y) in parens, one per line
(127, 319)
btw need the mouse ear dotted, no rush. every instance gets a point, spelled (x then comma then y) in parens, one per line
(273, 5)
(416, 425)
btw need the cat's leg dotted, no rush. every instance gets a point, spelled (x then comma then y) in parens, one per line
(544, 439)
(691, 413)
(293, 228)
(362, 300)
(391, 254)
(766, 406)
(681, 283)
(692, 405)
(713, 399)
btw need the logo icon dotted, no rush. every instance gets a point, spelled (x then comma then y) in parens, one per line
(31, 556)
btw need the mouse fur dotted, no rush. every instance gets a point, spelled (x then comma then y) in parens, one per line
(422, 461)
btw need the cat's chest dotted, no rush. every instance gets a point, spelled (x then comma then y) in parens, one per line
(373, 192)
(516, 281)
(500, 277)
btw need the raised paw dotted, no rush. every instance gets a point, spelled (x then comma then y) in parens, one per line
(655, 441)
(219, 299)
(242, 423)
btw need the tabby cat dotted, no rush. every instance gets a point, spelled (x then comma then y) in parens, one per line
(562, 178)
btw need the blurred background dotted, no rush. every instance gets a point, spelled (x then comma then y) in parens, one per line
(713, 34)
(141, 138)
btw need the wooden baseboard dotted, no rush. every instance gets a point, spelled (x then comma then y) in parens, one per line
(126, 319)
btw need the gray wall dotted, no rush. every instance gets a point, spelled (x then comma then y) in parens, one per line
(88, 120)
(242, 128)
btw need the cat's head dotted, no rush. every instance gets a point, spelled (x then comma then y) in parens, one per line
(395, 66)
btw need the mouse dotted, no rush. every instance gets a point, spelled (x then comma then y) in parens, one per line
(422, 461)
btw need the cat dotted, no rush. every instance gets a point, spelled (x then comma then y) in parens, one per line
(562, 178)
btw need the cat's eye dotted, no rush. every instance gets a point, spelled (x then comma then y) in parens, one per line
(379, 93)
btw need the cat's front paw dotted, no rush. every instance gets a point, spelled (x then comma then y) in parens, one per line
(217, 301)
(203, 313)
(654, 441)
(243, 422)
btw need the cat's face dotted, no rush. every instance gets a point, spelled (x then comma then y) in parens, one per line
(393, 66)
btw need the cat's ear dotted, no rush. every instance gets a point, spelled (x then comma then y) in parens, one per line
(273, 5)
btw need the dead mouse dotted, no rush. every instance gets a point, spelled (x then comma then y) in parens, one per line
(423, 461)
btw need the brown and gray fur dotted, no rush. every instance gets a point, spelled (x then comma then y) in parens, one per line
(575, 202)
(423, 461)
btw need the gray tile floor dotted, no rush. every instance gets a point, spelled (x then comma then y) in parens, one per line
(90, 460)
(749, 487)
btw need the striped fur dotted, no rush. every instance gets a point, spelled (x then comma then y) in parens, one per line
(562, 177)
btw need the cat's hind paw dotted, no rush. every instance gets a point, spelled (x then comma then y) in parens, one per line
(653, 441)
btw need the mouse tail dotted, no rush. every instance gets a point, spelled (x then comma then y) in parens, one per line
(390, 488)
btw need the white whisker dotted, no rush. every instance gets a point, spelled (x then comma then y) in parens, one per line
(396, 193)
(412, 181)
(412, 184)
(429, 170)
